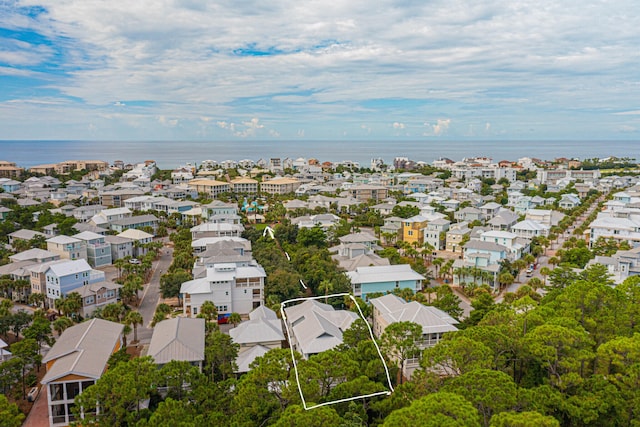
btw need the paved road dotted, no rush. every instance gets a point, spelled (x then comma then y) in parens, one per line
(151, 295)
(543, 260)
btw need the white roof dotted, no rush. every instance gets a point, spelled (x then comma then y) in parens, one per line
(135, 234)
(257, 330)
(529, 224)
(70, 267)
(197, 286)
(499, 234)
(62, 240)
(34, 253)
(318, 327)
(383, 273)
(179, 338)
(432, 319)
(88, 235)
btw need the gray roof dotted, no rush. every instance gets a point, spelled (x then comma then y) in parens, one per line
(383, 273)
(135, 220)
(432, 319)
(179, 338)
(484, 246)
(83, 350)
(258, 329)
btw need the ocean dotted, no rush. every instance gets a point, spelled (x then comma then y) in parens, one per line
(170, 154)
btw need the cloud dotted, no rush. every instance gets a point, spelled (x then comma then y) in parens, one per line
(119, 104)
(397, 125)
(165, 121)
(440, 127)
(328, 69)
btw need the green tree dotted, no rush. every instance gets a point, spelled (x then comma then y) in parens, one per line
(220, 355)
(489, 391)
(10, 415)
(314, 236)
(134, 318)
(436, 410)
(119, 393)
(523, 419)
(235, 319)
(62, 323)
(296, 415)
(400, 341)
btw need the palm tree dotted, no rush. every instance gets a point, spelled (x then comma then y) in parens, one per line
(327, 286)
(545, 271)
(62, 323)
(209, 311)
(437, 263)
(134, 319)
(234, 318)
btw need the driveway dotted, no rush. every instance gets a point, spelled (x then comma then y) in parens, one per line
(151, 295)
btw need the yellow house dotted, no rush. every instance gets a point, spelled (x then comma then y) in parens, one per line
(76, 361)
(413, 229)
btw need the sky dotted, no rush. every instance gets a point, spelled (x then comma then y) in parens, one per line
(313, 70)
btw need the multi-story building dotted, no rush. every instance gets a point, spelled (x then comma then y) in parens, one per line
(365, 192)
(413, 230)
(210, 187)
(75, 362)
(230, 287)
(243, 185)
(64, 277)
(67, 247)
(280, 186)
(98, 250)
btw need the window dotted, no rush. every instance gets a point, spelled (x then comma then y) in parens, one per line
(55, 390)
(73, 389)
(89, 300)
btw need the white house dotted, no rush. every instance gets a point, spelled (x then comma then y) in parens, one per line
(261, 333)
(231, 288)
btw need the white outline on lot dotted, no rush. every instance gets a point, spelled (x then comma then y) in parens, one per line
(295, 364)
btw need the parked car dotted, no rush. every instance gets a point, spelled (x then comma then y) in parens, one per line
(134, 261)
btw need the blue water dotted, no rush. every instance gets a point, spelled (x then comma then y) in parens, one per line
(169, 154)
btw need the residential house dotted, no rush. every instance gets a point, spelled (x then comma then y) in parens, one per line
(116, 198)
(389, 309)
(503, 220)
(67, 247)
(261, 333)
(365, 192)
(218, 207)
(516, 246)
(35, 255)
(545, 216)
(529, 229)
(456, 236)
(324, 221)
(385, 278)
(315, 327)
(107, 216)
(120, 247)
(98, 250)
(24, 234)
(64, 277)
(621, 265)
(180, 339)
(469, 214)
(231, 288)
(75, 362)
(413, 230)
(135, 222)
(435, 233)
(569, 201)
(221, 229)
(139, 238)
(97, 295)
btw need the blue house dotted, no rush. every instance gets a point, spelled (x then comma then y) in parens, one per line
(63, 277)
(384, 278)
